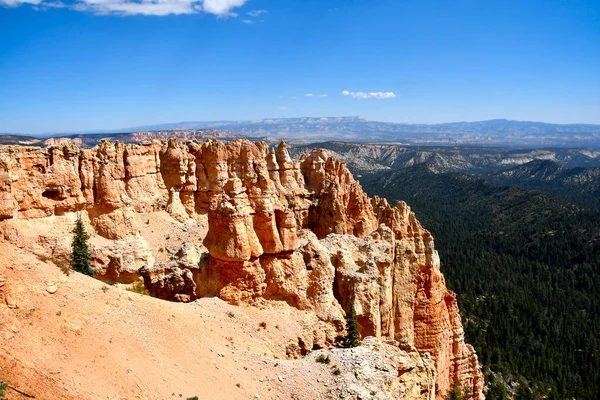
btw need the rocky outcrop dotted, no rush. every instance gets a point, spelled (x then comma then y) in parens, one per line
(303, 232)
(380, 370)
(122, 259)
(425, 312)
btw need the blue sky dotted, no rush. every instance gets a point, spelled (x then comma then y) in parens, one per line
(103, 64)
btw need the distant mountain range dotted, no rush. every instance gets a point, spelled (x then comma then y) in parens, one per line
(356, 129)
(369, 158)
(570, 174)
(498, 132)
(580, 185)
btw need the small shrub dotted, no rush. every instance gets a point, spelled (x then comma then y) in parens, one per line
(230, 314)
(263, 325)
(64, 267)
(238, 385)
(192, 398)
(323, 360)
(59, 263)
(456, 393)
(139, 288)
(3, 387)
(336, 370)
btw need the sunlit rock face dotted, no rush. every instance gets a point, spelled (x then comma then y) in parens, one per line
(302, 232)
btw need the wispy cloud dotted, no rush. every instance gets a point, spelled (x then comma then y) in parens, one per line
(247, 21)
(221, 8)
(370, 95)
(16, 3)
(283, 108)
(322, 95)
(256, 13)
(309, 95)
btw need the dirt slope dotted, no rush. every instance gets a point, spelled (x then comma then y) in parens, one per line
(92, 341)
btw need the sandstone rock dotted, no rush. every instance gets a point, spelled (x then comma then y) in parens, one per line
(427, 314)
(121, 261)
(51, 287)
(5, 294)
(189, 256)
(382, 371)
(177, 285)
(303, 232)
(364, 269)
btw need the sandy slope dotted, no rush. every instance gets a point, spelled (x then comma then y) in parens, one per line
(92, 341)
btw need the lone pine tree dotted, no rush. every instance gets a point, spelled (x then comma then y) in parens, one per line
(454, 392)
(352, 333)
(80, 254)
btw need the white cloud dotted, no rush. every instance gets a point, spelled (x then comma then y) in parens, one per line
(256, 13)
(313, 95)
(370, 95)
(293, 97)
(16, 3)
(221, 8)
(147, 7)
(283, 108)
(247, 21)
(51, 4)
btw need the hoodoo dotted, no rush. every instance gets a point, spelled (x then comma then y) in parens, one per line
(302, 232)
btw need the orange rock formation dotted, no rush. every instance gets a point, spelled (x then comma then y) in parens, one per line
(303, 232)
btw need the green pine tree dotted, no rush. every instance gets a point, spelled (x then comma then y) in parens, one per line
(3, 387)
(454, 393)
(466, 393)
(352, 338)
(80, 255)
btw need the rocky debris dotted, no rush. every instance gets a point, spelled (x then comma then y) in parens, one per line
(302, 232)
(378, 370)
(190, 256)
(51, 287)
(176, 279)
(5, 293)
(176, 285)
(121, 260)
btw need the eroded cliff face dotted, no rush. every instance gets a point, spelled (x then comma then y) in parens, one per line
(303, 232)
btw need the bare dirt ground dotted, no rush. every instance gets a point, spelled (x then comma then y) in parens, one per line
(88, 340)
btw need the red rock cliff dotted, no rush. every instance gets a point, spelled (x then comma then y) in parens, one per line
(303, 232)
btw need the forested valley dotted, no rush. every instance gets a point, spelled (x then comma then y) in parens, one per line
(526, 268)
